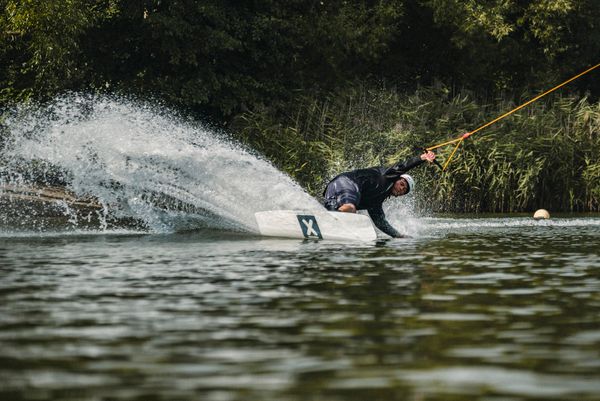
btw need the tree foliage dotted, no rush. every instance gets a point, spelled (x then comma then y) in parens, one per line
(41, 44)
(227, 56)
(508, 45)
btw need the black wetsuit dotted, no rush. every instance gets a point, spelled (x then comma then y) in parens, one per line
(367, 189)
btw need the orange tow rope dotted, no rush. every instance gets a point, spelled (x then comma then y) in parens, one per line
(460, 139)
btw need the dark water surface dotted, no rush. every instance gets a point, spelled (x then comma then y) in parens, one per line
(468, 309)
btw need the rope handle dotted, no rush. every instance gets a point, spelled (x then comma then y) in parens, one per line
(435, 161)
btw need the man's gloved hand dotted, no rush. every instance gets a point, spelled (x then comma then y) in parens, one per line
(428, 156)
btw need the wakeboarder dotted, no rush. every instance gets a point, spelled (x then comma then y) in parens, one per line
(367, 189)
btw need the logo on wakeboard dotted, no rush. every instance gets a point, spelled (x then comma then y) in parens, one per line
(309, 226)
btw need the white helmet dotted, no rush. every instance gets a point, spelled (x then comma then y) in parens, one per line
(410, 181)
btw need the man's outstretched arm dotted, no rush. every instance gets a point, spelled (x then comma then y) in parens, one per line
(404, 166)
(381, 223)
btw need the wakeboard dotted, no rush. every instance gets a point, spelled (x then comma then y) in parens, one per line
(315, 225)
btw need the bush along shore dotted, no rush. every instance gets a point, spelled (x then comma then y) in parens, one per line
(545, 155)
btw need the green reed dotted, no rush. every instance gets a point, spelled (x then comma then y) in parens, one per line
(545, 155)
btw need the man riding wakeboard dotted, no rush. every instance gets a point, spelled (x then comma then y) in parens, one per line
(369, 188)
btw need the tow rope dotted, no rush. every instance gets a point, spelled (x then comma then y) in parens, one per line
(458, 141)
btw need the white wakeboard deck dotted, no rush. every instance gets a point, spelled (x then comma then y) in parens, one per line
(315, 225)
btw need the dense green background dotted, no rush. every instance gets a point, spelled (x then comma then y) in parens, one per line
(322, 86)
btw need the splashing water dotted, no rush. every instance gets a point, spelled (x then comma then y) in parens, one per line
(142, 162)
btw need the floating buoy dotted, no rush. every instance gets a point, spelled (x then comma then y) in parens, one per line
(541, 214)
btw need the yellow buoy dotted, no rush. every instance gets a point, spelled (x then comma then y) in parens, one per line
(541, 214)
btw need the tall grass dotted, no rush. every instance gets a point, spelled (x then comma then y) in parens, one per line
(545, 155)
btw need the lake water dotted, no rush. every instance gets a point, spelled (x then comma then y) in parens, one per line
(468, 309)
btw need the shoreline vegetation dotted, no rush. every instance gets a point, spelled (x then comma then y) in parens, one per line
(322, 87)
(544, 156)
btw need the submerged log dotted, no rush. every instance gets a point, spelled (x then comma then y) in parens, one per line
(43, 208)
(29, 207)
(17, 195)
